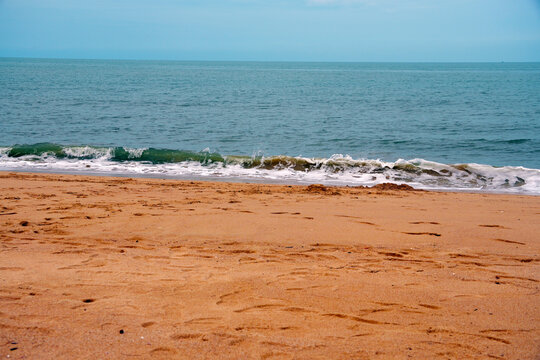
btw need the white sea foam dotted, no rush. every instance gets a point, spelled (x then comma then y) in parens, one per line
(88, 152)
(336, 170)
(135, 152)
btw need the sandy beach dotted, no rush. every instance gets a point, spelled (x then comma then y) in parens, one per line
(109, 268)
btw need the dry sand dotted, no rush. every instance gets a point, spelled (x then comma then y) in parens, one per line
(98, 267)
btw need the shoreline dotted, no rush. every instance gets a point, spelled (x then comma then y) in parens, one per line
(262, 181)
(114, 267)
(335, 170)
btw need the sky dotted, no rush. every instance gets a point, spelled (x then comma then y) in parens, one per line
(273, 30)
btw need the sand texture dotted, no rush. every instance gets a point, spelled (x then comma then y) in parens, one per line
(109, 268)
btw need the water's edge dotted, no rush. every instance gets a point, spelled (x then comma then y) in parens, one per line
(245, 181)
(337, 170)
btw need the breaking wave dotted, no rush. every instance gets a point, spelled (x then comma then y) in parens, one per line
(335, 170)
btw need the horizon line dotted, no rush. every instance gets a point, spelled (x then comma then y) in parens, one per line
(273, 61)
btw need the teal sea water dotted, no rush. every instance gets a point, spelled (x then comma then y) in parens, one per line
(432, 125)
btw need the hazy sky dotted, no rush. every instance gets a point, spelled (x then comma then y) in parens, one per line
(310, 30)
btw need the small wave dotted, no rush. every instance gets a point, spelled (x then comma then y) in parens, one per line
(154, 156)
(335, 170)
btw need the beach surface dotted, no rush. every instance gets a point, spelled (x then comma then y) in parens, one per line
(100, 267)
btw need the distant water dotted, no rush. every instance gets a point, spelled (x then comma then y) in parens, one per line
(441, 126)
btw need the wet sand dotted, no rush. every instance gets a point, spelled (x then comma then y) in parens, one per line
(98, 267)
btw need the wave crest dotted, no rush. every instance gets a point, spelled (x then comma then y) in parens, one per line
(336, 170)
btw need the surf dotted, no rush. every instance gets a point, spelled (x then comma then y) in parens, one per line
(338, 169)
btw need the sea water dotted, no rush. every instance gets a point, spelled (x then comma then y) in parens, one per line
(461, 126)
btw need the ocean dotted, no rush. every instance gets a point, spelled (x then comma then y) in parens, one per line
(442, 126)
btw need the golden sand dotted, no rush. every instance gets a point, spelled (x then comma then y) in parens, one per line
(98, 267)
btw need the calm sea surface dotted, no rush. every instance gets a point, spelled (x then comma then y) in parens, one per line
(438, 114)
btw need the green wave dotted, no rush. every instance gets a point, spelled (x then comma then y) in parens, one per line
(166, 156)
(155, 156)
(37, 149)
(429, 173)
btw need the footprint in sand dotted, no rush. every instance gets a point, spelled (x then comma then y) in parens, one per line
(165, 351)
(509, 241)
(493, 226)
(422, 233)
(188, 336)
(430, 306)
